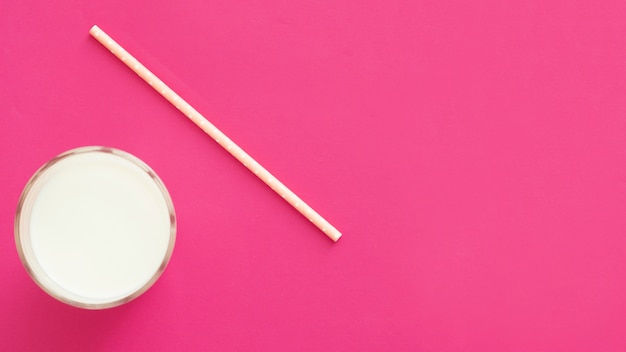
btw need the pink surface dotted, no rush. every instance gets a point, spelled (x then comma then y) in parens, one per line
(472, 153)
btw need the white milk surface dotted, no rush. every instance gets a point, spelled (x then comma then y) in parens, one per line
(99, 226)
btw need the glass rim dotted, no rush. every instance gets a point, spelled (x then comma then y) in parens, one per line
(30, 262)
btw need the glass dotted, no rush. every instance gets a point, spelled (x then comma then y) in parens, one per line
(24, 224)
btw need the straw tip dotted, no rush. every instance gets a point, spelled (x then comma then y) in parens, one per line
(336, 236)
(94, 29)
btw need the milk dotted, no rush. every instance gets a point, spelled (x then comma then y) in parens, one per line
(99, 227)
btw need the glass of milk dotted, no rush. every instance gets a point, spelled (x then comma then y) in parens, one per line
(95, 227)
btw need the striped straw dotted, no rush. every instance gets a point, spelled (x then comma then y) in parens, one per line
(215, 133)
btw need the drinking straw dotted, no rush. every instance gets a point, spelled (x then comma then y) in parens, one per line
(215, 133)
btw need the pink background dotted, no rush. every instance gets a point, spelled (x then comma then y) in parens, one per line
(472, 152)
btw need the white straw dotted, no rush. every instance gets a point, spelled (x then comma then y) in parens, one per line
(215, 133)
